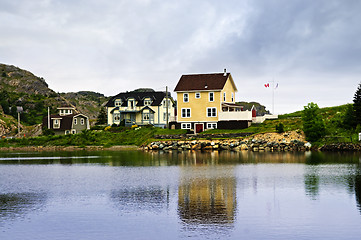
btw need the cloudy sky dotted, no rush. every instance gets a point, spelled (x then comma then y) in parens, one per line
(311, 48)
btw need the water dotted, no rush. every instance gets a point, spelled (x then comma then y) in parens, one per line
(137, 195)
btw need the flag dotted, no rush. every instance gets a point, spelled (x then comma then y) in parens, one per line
(276, 86)
(266, 85)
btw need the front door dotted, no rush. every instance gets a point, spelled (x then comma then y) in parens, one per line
(199, 128)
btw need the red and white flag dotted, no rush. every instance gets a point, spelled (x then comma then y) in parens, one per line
(266, 85)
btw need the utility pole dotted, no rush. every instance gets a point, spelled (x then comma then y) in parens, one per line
(19, 123)
(166, 104)
(48, 118)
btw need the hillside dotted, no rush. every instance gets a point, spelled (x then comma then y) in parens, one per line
(21, 88)
(260, 109)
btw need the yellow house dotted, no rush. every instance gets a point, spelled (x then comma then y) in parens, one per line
(207, 101)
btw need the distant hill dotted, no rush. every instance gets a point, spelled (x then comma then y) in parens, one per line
(261, 110)
(21, 88)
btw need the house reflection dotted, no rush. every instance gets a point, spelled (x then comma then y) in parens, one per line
(16, 205)
(207, 191)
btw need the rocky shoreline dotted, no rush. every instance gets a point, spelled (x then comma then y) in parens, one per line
(290, 141)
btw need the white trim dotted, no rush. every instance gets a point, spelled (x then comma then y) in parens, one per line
(184, 94)
(209, 96)
(75, 121)
(212, 124)
(186, 112)
(82, 121)
(211, 111)
(186, 125)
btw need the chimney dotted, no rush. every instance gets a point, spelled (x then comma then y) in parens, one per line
(225, 73)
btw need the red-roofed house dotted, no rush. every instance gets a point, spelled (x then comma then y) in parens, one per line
(207, 101)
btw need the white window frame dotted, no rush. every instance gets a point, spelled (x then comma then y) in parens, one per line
(185, 97)
(186, 125)
(118, 103)
(232, 95)
(165, 103)
(146, 116)
(211, 96)
(56, 123)
(211, 125)
(73, 131)
(212, 113)
(147, 102)
(185, 112)
(165, 116)
(82, 121)
(197, 95)
(75, 121)
(116, 117)
(224, 96)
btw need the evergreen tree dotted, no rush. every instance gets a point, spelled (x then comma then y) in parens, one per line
(313, 125)
(102, 117)
(357, 105)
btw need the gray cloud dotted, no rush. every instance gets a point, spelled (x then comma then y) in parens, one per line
(309, 47)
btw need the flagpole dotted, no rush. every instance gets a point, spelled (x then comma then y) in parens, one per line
(273, 96)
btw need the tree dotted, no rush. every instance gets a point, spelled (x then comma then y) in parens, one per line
(313, 125)
(348, 120)
(357, 105)
(102, 117)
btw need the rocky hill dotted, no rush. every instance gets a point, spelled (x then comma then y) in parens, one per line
(261, 110)
(21, 89)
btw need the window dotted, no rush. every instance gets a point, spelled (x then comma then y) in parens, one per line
(165, 104)
(211, 96)
(224, 97)
(56, 123)
(118, 103)
(146, 116)
(75, 121)
(186, 126)
(198, 95)
(211, 125)
(232, 97)
(131, 103)
(186, 112)
(73, 131)
(147, 102)
(82, 121)
(185, 97)
(212, 112)
(67, 132)
(165, 116)
(116, 117)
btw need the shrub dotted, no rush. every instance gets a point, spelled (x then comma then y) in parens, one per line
(280, 128)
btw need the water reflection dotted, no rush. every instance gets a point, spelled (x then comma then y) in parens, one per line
(139, 199)
(206, 194)
(16, 205)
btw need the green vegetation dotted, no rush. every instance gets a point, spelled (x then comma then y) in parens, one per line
(313, 124)
(106, 137)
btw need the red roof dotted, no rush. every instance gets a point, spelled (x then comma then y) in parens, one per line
(202, 82)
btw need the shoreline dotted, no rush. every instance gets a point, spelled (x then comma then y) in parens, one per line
(70, 148)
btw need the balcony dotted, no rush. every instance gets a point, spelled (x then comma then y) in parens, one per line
(235, 116)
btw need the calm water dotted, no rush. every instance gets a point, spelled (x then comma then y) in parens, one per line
(136, 195)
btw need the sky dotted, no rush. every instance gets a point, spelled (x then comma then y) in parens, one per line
(310, 48)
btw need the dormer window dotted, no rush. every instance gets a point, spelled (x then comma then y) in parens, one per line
(56, 123)
(147, 102)
(117, 103)
(131, 103)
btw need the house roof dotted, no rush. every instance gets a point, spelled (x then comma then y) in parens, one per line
(203, 82)
(156, 97)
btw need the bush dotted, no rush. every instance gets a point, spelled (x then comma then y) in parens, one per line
(280, 128)
(48, 132)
